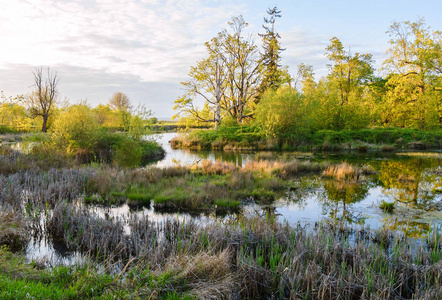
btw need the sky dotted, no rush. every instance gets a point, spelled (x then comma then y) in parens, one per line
(145, 48)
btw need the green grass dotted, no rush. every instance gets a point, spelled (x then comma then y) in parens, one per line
(245, 137)
(20, 280)
(223, 205)
(387, 206)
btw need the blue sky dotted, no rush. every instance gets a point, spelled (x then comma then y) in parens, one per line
(144, 48)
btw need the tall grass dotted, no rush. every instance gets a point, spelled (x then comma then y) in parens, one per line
(255, 258)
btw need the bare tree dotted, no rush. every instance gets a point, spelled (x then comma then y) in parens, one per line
(43, 99)
(120, 101)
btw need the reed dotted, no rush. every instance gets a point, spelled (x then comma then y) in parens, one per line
(343, 171)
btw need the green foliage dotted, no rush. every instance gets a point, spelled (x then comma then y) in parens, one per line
(387, 206)
(236, 133)
(75, 128)
(283, 114)
(128, 153)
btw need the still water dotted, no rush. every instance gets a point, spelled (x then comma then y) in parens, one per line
(412, 180)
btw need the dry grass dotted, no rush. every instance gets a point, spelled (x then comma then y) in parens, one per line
(251, 258)
(343, 171)
(217, 168)
(421, 154)
(13, 229)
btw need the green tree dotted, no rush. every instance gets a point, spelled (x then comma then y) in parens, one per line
(273, 77)
(284, 114)
(349, 75)
(227, 81)
(75, 128)
(120, 103)
(414, 81)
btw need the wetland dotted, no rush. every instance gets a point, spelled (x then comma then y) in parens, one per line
(230, 224)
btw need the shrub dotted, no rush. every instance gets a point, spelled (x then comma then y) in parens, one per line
(75, 128)
(128, 153)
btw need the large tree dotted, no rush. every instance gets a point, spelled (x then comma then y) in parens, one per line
(349, 76)
(414, 79)
(227, 80)
(273, 76)
(121, 104)
(43, 99)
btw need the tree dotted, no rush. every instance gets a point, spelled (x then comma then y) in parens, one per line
(75, 128)
(304, 79)
(283, 114)
(414, 79)
(349, 74)
(227, 80)
(43, 99)
(272, 76)
(120, 102)
(208, 82)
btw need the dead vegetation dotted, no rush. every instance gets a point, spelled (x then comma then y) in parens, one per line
(343, 171)
(254, 258)
(13, 229)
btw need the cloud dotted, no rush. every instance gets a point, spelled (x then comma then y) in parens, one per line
(155, 40)
(304, 47)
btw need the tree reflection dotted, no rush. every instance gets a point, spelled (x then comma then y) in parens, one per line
(409, 182)
(409, 228)
(337, 197)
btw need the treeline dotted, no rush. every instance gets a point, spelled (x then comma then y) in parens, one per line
(18, 115)
(239, 84)
(111, 133)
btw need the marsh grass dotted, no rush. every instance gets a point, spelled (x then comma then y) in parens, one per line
(388, 148)
(254, 258)
(343, 171)
(387, 206)
(13, 229)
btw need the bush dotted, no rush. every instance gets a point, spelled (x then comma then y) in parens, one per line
(283, 114)
(128, 153)
(75, 128)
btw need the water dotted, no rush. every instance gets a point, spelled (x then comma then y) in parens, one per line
(411, 180)
(188, 157)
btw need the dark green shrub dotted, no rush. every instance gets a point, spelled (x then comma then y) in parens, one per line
(128, 153)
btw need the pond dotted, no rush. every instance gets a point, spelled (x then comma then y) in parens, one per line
(411, 180)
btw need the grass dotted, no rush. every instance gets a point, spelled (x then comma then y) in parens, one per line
(252, 258)
(387, 206)
(223, 205)
(13, 230)
(198, 187)
(343, 171)
(21, 280)
(250, 137)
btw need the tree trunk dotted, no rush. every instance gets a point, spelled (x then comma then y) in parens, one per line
(217, 115)
(45, 122)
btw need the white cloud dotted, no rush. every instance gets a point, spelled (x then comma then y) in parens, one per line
(155, 40)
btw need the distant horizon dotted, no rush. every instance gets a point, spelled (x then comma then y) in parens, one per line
(146, 48)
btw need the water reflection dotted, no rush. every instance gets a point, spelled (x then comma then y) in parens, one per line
(191, 157)
(410, 182)
(413, 183)
(338, 196)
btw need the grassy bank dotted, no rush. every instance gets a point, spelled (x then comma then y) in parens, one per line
(250, 137)
(44, 151)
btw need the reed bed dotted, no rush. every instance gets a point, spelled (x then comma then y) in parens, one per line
(13, 229)
(343, 171)
(254, 258)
